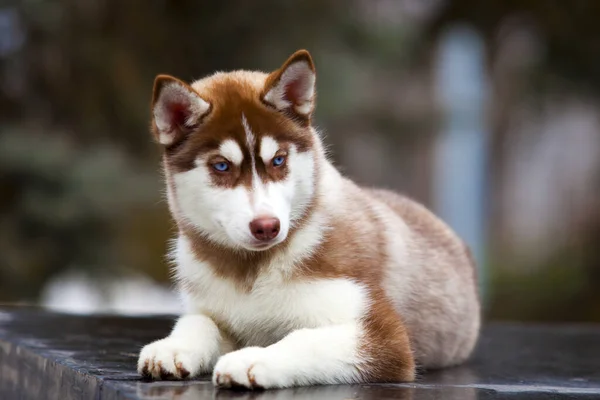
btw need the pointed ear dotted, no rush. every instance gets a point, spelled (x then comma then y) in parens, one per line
(292, 87)
(177, 109)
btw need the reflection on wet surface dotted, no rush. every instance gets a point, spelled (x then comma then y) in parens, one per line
(47, 355)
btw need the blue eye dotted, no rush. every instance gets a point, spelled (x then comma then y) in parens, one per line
(278, 161)
(221, 166)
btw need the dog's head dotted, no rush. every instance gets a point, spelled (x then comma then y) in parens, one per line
(239, 151)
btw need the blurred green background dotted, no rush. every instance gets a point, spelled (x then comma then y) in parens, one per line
(408, 90)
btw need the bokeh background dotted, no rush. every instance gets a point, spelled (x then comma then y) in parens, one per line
(488, 112)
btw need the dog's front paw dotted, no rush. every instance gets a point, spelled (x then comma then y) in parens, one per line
(250, 368)
(171, 359)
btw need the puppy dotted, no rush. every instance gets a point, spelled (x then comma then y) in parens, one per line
(290, 273)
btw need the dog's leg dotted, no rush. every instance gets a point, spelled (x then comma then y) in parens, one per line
(328, 355)
(192, 348)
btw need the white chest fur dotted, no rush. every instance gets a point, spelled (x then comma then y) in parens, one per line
(273, 308)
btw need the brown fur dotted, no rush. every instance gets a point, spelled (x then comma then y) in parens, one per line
(229, 98)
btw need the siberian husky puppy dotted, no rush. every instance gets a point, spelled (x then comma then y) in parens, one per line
(290, 273)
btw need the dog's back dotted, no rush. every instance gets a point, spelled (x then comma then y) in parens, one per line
(435, 288)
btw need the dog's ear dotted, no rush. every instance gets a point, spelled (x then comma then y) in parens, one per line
(291, 88)
(177, 109)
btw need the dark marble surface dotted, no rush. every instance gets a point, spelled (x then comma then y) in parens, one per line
(53, 356)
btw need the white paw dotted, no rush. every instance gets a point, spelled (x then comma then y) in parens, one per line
(250, 368)
(171, 359)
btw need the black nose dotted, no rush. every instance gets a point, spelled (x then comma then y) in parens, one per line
(265, 228)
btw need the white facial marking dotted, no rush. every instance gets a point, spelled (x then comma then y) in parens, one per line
(231, 151)
(174, 93)
(268, 148)
(251, 142)
(250, 139)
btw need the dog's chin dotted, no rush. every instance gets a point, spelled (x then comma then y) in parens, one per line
(261, 246)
